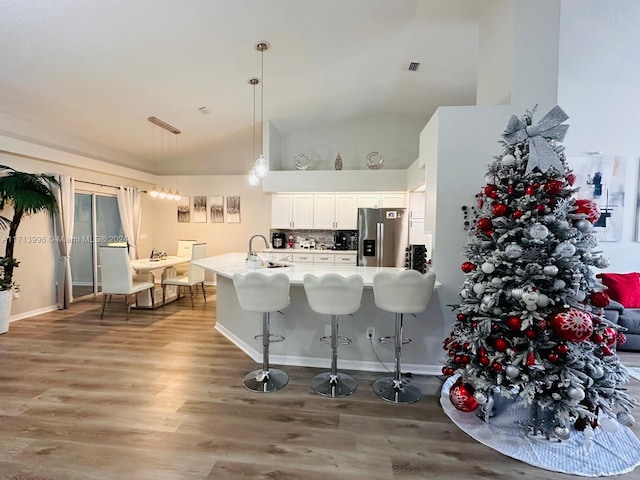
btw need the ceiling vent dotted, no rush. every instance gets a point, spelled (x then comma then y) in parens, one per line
(413, 66)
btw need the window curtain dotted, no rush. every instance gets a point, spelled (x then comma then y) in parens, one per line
(130, 208)
(64, 233)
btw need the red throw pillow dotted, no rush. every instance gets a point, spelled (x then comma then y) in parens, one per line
(623, 287)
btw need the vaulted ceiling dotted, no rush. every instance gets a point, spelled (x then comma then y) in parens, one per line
(84, 76)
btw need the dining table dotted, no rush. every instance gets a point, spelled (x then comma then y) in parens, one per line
(155, 270)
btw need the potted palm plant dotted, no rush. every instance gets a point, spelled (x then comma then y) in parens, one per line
(28, 194)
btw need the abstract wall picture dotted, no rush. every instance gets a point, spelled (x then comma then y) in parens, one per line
(233, 209)
(216, 208)
(601, 179)
(184, 209)
(199, 209)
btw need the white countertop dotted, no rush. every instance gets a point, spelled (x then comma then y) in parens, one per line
(325, 251)
(228, 264)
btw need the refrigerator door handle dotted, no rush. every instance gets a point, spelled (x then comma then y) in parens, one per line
(380, 243)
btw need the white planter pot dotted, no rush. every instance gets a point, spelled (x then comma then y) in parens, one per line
(5, 309)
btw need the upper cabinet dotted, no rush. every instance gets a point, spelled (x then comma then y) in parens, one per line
(291, 210)
(382, 200)
(416, 205)
(335, 211)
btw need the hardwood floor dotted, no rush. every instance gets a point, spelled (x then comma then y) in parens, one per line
(160, 397)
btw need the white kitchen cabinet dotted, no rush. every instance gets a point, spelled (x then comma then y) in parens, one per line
(324, 258)
(416, 205)
(291, 210)
(335, 211)
(382, 200)
(302, 258)
(416, 231)
(346, 259)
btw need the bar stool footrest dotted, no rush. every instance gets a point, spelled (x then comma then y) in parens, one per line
(341, 340)
(391, 339)
(273, 338)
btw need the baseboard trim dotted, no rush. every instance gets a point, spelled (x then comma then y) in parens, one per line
(315, 362)
(33, 313)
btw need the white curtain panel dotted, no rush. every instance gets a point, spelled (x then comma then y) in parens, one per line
(64, 231)
(130, 207)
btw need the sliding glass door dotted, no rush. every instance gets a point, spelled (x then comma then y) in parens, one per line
(96, 223)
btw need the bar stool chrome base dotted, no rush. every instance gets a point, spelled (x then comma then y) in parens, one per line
(389, 389)
(342, 385)
(269, 381)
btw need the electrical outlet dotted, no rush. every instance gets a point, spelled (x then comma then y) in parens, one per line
(327, 330)
(371, 333)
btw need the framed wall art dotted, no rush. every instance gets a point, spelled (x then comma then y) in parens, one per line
(216, 208)
(601, 179)
(233, 209)
(199, 209)
(184, 209)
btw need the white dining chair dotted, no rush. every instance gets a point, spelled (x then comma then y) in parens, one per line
(116, 276)
(184, 250)
(194, 276)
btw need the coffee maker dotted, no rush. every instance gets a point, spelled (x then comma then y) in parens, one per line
(341, 241)
(279, 240)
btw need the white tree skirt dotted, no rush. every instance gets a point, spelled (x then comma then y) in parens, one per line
(609, 453)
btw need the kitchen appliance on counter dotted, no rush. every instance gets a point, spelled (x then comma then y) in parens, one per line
(345, 240)
(279, 240)
(382, 237)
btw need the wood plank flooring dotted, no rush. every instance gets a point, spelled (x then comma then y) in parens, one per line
(159, 396)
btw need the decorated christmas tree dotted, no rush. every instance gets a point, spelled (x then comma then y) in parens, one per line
(530, 321)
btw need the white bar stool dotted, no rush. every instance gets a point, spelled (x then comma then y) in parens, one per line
(408, 291)
(262, 293)
(332, 294)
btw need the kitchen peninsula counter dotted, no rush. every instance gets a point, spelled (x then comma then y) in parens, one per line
(303, 327)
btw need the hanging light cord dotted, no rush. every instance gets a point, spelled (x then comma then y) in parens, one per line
(254, 120)
(262, 101)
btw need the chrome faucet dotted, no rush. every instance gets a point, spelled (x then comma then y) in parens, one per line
(250, 254)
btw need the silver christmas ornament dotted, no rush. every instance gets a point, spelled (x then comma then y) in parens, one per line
(550, 270)
(587, 256)
(487, 300)
(626, 419)
(608, 424)
(561, 432)
(549, 218)
(559, 284)
(497, 311)
(512, 371)
(598, 372)
(480, 397)
(496, 282)
(513, 250)
(530, 298)
(584, 226)
(565, 249)
(563, 225)
(601, 262)
(479, 288)
(488, 267)
(508, 160)
(575, 393)
(517, 293)
(538, 231)
(542, 301)
(580, 295)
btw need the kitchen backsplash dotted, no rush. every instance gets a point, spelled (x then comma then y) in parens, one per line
(321, 237)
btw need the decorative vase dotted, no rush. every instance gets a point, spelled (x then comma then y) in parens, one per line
(5, 309)
(338, 162)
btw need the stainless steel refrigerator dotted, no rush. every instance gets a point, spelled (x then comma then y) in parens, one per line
(382, 237)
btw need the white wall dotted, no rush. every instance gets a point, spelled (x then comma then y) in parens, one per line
(392, 136)
(598, 87)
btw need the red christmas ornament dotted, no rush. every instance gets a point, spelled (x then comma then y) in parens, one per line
(541, 208)
(510, 189)
(531, 334)
(531, 359)
(455, 345)
(461, 396)
(553, 357)
(573, 325)
(501, 344)
(589, 208)
(484, 224)
(610, 334)
(621, 338)
(461, 317)
(482, 352)
(553, 187)
(530, 190)
(597, 338)
(500, 209)
(571, 179)
(448, 371)
(474, 325)
(491, 191)
(484, 361)
(562, 349)
(606, 351)
(599, 299)
(489, 232)
(467, 267)
(517, 214)
(514, 323)
(466, 359)
(536, 185)
(496, 367)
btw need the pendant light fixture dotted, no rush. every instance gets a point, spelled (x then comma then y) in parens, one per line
(253, 177)
(166, 126)
(262, 164)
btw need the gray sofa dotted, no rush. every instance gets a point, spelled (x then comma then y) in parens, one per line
(628, 318)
